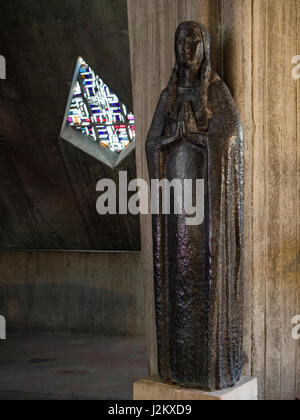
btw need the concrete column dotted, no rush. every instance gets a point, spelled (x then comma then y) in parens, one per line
(253, 42)
(274, 199)
(297, 265)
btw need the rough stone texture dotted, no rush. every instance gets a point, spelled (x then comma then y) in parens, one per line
(98, 293)
(296, 261)
(47, 186)
(258, 39)
(153, 389)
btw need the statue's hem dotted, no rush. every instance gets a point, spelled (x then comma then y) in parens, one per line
(154, 389)
(199, 386)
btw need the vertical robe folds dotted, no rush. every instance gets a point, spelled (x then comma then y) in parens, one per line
(198, 270)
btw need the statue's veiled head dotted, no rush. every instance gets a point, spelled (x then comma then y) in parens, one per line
(189, 46)
(192, 46)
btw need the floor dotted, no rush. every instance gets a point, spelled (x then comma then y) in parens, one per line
(63, 367)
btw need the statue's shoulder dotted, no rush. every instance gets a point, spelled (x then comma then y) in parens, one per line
(225, 114)
(165, 93)
(163, 98)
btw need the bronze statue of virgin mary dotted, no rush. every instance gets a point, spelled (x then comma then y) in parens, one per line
(198, 269)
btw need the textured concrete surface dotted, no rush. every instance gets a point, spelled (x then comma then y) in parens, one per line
(37, 367)
(47, 186)
(72, 292)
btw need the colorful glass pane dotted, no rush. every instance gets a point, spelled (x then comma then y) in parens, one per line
(98, 113)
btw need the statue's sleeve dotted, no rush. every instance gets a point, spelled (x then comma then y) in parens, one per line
(227, 233)
(154, 157)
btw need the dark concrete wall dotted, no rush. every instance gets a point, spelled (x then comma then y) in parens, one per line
(47, 186)
(98, 293)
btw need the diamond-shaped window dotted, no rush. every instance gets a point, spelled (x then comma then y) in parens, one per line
(96, 121)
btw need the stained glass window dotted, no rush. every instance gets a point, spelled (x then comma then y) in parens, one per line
(98, 113)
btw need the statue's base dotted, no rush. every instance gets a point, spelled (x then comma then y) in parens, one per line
(153, 389)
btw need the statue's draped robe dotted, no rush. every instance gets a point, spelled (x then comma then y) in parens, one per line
(198, 270)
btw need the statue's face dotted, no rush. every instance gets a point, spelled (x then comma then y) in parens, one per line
(189, 46)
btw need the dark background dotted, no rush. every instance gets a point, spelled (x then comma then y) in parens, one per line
(48, 187)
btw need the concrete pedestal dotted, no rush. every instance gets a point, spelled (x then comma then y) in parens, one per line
(153, 389)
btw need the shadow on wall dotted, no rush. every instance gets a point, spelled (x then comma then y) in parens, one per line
(70, 307)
